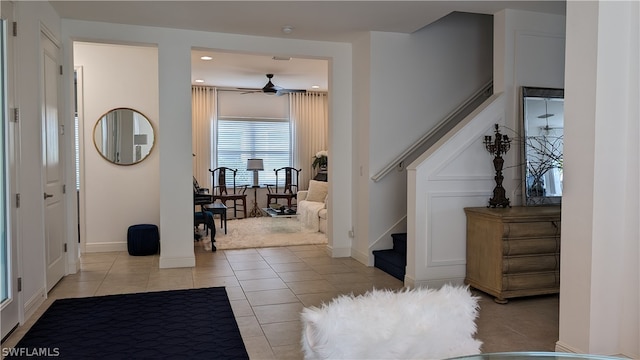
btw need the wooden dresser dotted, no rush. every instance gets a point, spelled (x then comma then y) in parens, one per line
(513, 252)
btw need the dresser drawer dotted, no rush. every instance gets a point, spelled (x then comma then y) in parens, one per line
(531, 229)
(542, 280)
(535, 263)
(543, 245)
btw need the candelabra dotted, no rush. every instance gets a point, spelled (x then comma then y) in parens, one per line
(498, 146)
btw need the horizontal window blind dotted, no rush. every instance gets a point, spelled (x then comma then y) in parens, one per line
(249, 138)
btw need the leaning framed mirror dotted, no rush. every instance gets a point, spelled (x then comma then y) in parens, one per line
(543, 140)
(124, 136)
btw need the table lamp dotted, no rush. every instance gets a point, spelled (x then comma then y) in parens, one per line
(255, 165)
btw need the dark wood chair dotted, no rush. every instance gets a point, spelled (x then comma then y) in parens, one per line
(201, 196)
(286, 186)
(236, 193)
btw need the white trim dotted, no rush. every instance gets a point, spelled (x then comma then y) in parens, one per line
(438, 283)
(562, 347)
(339, 252)
(105, 247)
(361, 257)
(31, 305)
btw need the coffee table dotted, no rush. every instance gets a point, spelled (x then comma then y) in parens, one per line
(220, 209)
(278, 214)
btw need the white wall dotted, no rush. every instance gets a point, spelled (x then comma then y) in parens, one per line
(528, 51)
(415, 81)
(531, 48)
(361, 115)
(455, 173)
(115, 196)
(600, 273)
(174, 142)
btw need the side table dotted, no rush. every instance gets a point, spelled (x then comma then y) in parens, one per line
(220, 209)
(256, 211)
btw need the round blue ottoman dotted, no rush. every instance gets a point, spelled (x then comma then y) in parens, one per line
(143, 239)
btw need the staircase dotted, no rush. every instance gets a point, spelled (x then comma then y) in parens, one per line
(393, 261)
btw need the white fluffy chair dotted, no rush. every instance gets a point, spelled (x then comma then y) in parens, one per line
(411, 324)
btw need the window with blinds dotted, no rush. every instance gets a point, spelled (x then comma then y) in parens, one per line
(243, 139)
(253, 126)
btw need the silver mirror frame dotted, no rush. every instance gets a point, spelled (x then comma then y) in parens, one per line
(128, 147)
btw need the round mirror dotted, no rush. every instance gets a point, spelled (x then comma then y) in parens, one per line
(123, 136)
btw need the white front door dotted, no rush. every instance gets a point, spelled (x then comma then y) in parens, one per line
(10, 297)
(52, 132)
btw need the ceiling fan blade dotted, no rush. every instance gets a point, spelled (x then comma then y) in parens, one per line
(249, 91)
(271, 89)
(290, 91)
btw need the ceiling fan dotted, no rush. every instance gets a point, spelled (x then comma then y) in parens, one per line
(546, 129)
(270, 88)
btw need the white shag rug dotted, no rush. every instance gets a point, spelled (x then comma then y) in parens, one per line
(411, 324)
(265, 232)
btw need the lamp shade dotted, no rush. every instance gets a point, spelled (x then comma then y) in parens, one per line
(255, 164)
(140, 139)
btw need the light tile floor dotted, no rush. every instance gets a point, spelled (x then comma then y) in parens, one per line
(269, 287)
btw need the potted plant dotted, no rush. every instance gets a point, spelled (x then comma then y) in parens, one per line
(320, 160)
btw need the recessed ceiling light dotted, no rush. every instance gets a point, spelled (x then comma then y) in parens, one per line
(287, 29)
(199, 80)
(206, 58)
(315, 86)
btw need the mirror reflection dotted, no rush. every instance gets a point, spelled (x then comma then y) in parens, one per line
(124, 136)
(543, 116)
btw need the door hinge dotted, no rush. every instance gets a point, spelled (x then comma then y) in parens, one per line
(16, 115)
(65, 247)
(14, 25)
(64, 188)
(60, 69)
(19, 284)
(17, 200)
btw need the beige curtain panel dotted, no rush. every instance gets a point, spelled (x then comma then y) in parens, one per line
(203, 105)
(309, 117)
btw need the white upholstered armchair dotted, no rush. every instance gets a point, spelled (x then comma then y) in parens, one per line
(312, 206)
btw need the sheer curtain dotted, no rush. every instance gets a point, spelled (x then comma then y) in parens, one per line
(309, 118)
(203, 105)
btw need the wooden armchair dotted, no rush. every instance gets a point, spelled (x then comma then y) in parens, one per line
(286, 186)
(224, 193)
(201, 196)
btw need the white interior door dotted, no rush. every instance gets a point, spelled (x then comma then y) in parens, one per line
(52, 131)
(10, 297)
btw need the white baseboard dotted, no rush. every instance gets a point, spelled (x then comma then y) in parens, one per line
(105, 247)
(362, 257)
(177, 262)
(31, 305)
(433, 283)
(340, 252)
(562, 347)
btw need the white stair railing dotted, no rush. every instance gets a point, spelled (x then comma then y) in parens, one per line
(447, 123)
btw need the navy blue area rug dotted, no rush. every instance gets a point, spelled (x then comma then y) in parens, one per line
(180, 324)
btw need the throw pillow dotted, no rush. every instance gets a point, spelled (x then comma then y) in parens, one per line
(317, 191)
